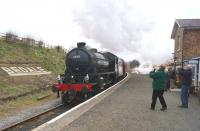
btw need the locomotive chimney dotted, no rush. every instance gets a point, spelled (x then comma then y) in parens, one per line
(93, 50)
(81, 44)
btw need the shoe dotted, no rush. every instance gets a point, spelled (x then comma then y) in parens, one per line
(152, 108)
(163, 108)
(182, 106)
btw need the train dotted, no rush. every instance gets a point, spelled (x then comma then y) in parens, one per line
(88, 71)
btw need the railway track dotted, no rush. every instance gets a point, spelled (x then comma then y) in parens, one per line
(21, 125)
(37, 120)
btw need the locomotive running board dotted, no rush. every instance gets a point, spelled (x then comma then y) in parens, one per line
(69, 116)
(106, 73)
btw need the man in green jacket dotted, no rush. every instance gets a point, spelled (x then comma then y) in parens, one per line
(159, 84)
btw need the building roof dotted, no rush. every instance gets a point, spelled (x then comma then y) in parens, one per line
(186, 24)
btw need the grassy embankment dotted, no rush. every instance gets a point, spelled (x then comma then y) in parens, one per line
(21, 53)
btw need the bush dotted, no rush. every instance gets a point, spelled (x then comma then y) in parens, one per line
(11, 37)
(40, 44)
(59, 48)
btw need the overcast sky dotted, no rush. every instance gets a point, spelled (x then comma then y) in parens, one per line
(133, 29)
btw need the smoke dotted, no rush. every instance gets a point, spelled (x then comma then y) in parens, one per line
(132, 29)
(118, 27)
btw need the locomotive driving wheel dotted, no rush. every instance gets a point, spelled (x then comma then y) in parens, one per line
(85, 96)
(68, 97)
(101, 83)
(84, 93)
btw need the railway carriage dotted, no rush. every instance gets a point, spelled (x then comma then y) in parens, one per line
(88, 71)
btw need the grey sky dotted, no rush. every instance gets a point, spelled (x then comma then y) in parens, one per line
(130, 28)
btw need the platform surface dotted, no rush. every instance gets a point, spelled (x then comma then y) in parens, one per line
(128, 109)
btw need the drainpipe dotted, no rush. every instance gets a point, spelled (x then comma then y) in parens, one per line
(174, 55)
(198, 70)
(182, 48)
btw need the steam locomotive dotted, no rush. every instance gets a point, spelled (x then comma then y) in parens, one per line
(88, 71)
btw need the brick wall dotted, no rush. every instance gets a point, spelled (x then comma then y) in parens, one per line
(191, 44)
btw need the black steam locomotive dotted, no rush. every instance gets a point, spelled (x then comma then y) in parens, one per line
(87, 71)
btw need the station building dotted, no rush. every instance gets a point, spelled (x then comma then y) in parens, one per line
(186, 35)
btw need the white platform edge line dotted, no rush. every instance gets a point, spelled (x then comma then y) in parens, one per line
(65, 113)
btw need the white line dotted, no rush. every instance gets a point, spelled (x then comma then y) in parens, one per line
(60, 116)
(69, 111)
(30, 74)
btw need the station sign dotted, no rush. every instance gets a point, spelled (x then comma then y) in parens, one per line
(24, 71)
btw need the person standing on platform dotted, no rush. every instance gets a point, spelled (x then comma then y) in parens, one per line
(172, 78)
(185, 76)
(159, 84)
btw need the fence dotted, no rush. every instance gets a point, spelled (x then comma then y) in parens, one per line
(11, 37)
(2, 35)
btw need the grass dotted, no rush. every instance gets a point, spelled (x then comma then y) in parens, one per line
(49, 59)
(12, 107)
(13, 90)
(21, 53)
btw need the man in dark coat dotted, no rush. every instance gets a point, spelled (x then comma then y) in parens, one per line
(159, 84)
(185, 76)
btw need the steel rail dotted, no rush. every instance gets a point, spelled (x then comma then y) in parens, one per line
(40, 114)
(32, 117)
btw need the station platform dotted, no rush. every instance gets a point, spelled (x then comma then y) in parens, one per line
(127, 108)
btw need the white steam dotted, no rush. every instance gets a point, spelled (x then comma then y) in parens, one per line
(115, 26)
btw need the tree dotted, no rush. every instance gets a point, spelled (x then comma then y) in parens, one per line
(58, 48)
(11, 37)
(134, 63)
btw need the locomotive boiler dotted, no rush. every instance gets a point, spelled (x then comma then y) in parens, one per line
(88, 71)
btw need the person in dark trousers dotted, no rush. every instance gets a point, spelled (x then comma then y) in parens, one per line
(172, 79)
(185, 76)
(159, 84)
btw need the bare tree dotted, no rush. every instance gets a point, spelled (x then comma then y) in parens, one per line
(134, 63)
(40, 44)
(11, 37)
(58, 48)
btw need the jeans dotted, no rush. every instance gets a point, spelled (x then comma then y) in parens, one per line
(184, 95)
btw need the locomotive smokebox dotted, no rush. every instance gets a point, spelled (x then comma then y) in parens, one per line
(81, 44)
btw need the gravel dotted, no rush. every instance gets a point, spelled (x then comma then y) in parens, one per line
(20, 116)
